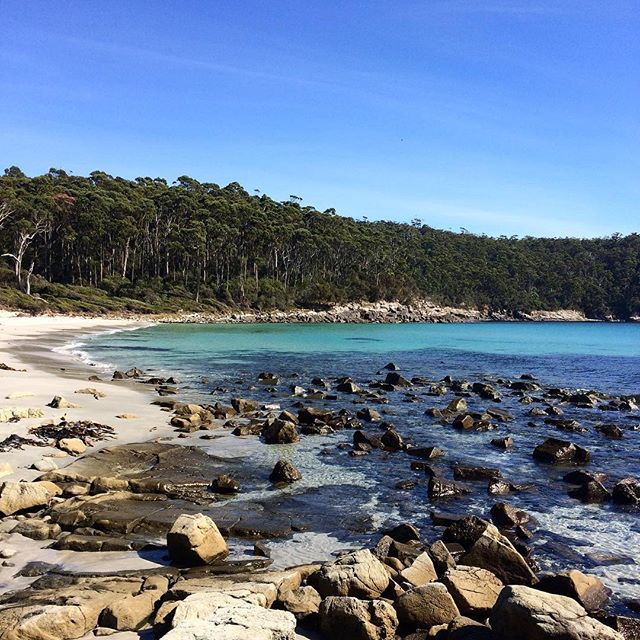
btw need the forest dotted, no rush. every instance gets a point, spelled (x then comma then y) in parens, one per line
(101, 243)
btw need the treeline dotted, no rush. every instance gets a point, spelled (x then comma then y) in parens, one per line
(144, 244)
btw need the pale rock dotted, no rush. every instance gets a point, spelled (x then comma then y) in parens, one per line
(343, 618)
(528, 614)
(359, 574)
(421, 571)
(426, 606)
(17, 496)
(73, 446)
(195, 540)
(474, 590)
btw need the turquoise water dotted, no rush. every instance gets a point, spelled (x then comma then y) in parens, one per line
(603, 356)
(352, 499)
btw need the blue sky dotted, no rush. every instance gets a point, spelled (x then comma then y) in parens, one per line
(515, 117)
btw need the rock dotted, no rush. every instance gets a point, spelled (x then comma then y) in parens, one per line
(474, 590)
(555, 451)
(580, 476)
(503, 443)
(585, 589)
(391, 439)
(18, 496)
(464, 421)
(44, 465)
(242, 405)
(59, 402)
(439, 488)
(129, 613)
(426, 606)
(627, 491)
(611, 431)
(506, 516)
(344, 618)
(404, 533)
(492, 551)
(421, 571)
(280, 432)
(369, 415)
(457, 405)
(37, 529)
(359, 574)
(348, 386)
(195, 540)
(528, 614)
(225, 484)
(425, 452)
(5, 469)
(441, 557)
(463, 628)
(230, 615)
(90, 391)
(7, 552)
(591, 492)
(396, 380)
(302, 602)
(284, 471)
(628, 627)
(73, 446)
(462, 472)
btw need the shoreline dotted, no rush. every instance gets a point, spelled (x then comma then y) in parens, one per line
(361, 312)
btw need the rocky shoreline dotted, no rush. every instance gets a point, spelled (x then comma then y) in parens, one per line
(379, 312)
(476, 578)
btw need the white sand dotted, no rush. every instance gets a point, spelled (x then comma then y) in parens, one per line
(46, 379)
(26, 343)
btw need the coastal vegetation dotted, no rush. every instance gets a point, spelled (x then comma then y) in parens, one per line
(102, 243)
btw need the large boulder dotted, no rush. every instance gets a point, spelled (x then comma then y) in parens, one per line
(421, 571)
(585, 589)
(352, 619)
(17, 496)
(280, 432)
(359, 574)
(474, 590)
(528, 614)
(426, 606)
(556, 451)
(302, 602)
(493, 552)
(129, 613)
(227, 616)
(195, 540)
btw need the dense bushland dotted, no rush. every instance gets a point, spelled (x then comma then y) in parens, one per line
(105, 243)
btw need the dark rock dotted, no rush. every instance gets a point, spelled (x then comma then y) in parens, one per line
(503, 443)
(579, 476)
(585, 589)
(553, 451)
(280, 432)
(506, 516)
(627, 491)
(369, 415)
(611, 431)
(404, 533)
(391, 439)
(464, 422)
(590, 492)
(362, 438)
(439, 488)
(425, 452)
(462, 472)
(284, 471)
(396, 380)
(225, 484)
(629, 628)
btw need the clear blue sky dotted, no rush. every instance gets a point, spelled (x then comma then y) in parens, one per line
(507, 117)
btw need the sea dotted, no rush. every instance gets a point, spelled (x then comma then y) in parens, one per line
(346, 501)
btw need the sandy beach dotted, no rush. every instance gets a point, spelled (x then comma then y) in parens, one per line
(26, 344)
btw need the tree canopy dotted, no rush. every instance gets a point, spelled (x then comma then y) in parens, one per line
(148, 245)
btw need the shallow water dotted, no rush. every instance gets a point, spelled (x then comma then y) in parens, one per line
(352, 499)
